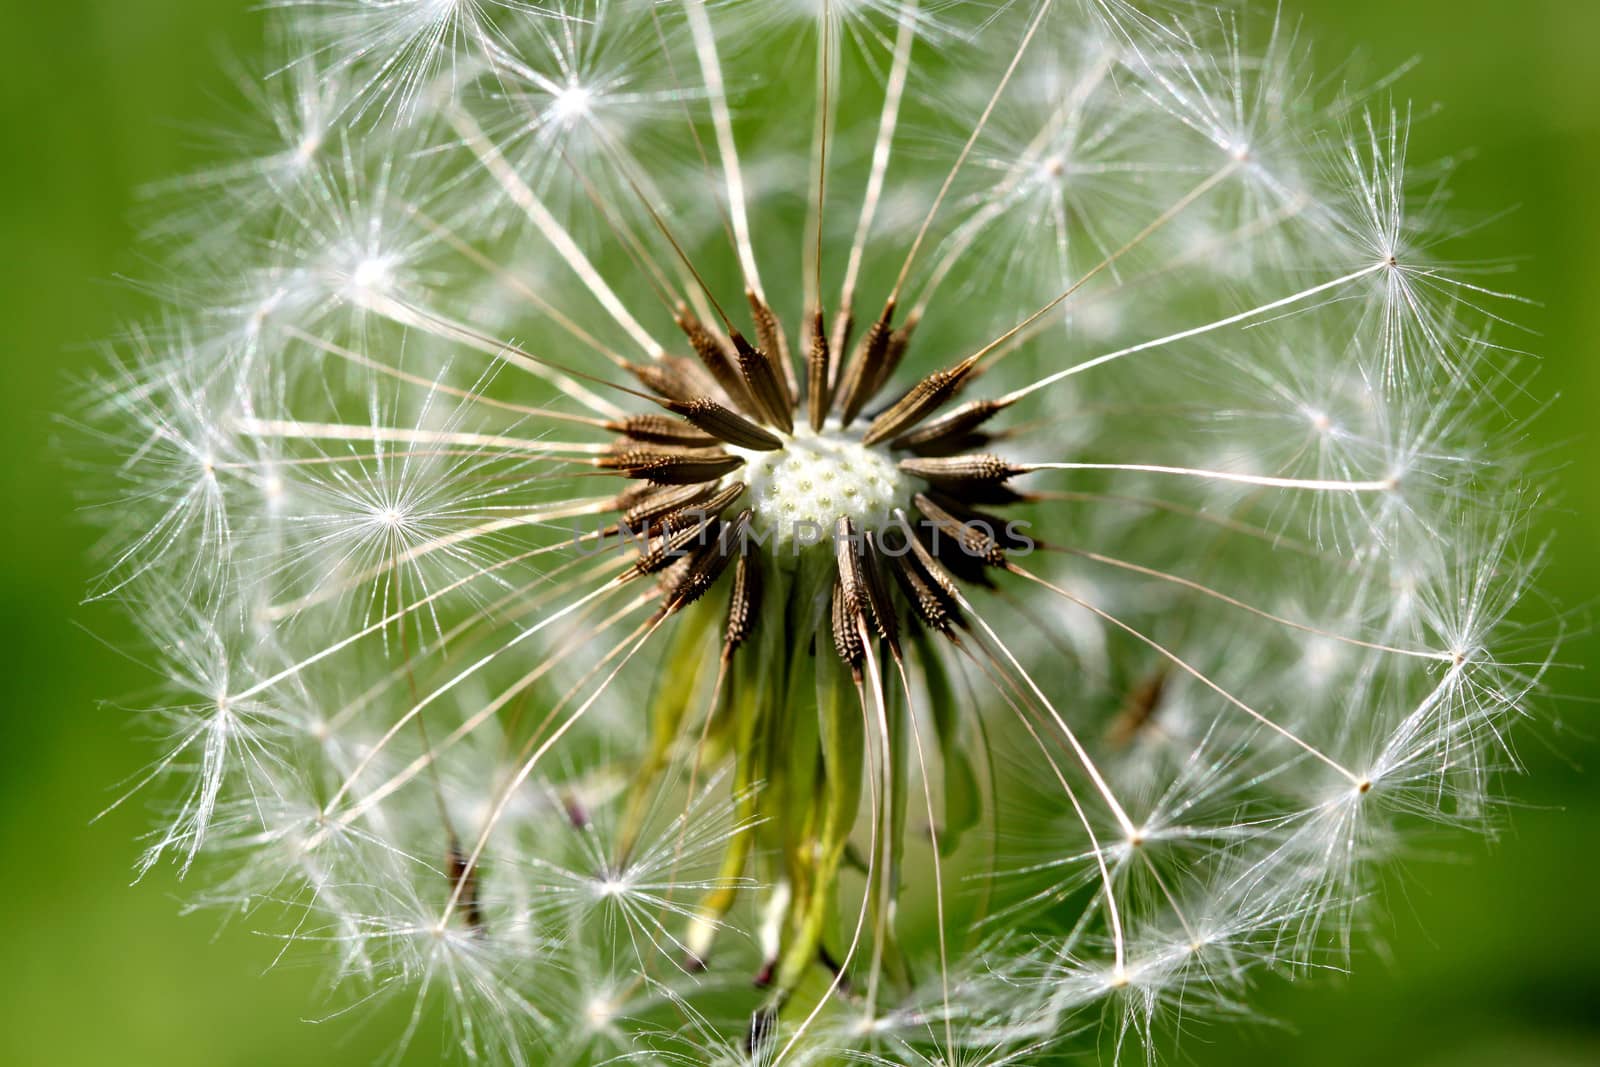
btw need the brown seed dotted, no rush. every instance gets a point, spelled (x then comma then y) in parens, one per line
(933, 571)
(662, 430)
(680, 534)
(920, 401)
(771, 340)
(854, 390)
(682, 467)
(846, 557)
(724, 498)
(692, 515)
(877, 594)
(744, 602)
(770, 394)
(974, 536)
(931, 437)
(957, 473)
(893, 354)
(672, 377)
(962, 508)
(930, 603)
(818, 371)
(643, 504)
(677, 548)
(846, 638)
(708, 563)
(717, 356)
(725, 425)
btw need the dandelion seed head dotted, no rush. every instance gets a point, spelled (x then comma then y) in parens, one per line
(1166, 540)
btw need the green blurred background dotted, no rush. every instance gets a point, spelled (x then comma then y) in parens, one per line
(1491, 957)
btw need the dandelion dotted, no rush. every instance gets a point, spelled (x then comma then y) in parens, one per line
(860, 531)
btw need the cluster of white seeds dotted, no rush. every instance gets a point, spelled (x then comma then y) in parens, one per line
(799, 491)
